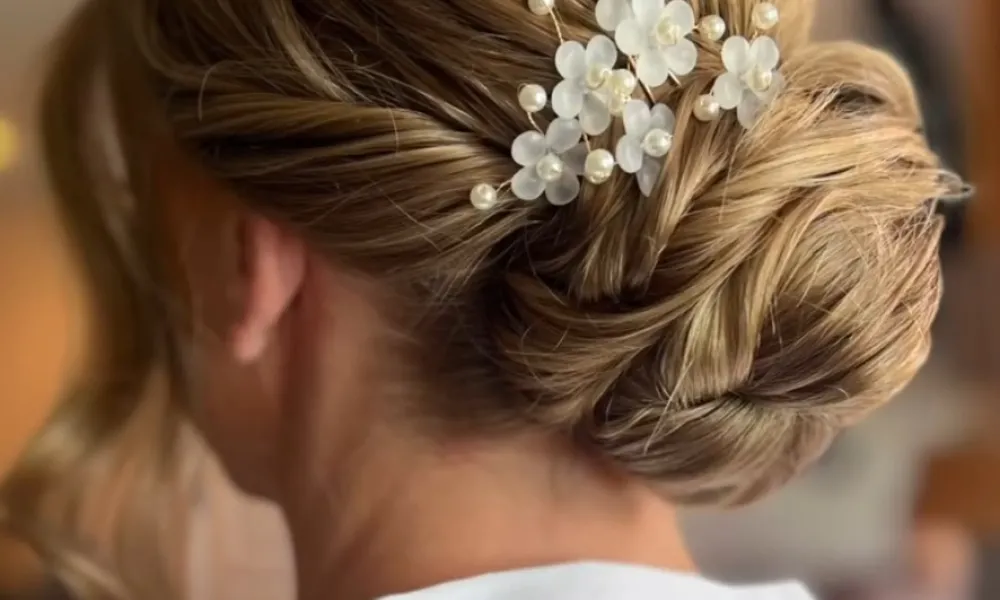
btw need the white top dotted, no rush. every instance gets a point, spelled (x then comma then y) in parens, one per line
(599, 581)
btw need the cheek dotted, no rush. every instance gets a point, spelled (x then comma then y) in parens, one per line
(236, 408)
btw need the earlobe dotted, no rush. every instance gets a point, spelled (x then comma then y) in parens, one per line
(272, 265)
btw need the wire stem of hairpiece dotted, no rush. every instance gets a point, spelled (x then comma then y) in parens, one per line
(645, 88)
(534, 123)
(558, 26)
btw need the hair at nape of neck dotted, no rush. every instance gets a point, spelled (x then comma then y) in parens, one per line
(616, 76)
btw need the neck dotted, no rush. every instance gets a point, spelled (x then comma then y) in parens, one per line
(389, 525)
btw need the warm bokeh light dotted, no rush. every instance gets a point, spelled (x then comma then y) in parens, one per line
(41, 319)
(8, 144)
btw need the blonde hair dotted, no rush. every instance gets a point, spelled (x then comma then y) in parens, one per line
(711, 339)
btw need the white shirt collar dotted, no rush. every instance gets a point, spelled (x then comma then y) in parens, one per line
(599, 581)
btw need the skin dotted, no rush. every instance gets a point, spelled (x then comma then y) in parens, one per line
(374, 505)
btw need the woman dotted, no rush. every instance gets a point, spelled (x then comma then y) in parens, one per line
(490, 399)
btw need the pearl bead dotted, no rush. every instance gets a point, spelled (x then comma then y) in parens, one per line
(483, 196)
(550, 168)
(597, 76)
(541, 7)
(657, 143)
(765, 16)
(707, 108)
(667, 32)
(532, 98)
(616, 104)
(623, 82)
(599, 166)
(712, 27)
(759, 80)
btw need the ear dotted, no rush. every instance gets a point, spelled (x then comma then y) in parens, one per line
(272, 271)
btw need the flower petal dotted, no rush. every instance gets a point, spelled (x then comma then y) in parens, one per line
(681, 13)
(601, 52)
(663, 118)
(563, 191)
(595, 116)
(728, 90)
(649, 175)
(749, 110)
(765, 53)
(636, 117)
(567, 98)
(682, 57)
(736, 55)
(527, 185)
(648, 12)
(629, 154)
(632, 38)
(652, 68)
(571, 60)
(611, 13)
(563, 134)
(575, 158)
(528, 148)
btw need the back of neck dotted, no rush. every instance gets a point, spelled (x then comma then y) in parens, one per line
(390, 524)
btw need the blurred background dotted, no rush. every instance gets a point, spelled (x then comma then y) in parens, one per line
(906, 507)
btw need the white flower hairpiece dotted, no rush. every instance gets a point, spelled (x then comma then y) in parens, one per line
(550, 163)
(584, 91)
(649, 135)
(752, 80)
(654, 37)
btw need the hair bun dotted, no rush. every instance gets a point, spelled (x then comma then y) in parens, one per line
(779, 286)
